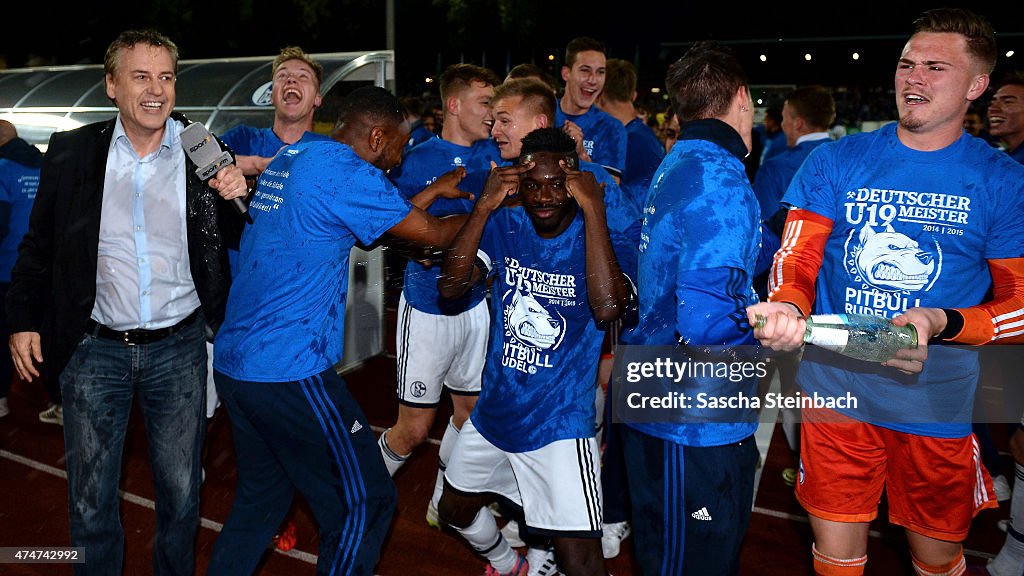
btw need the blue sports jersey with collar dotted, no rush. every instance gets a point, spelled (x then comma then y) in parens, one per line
(644, 152)
(249, 141)
(701, 229)
(910, 228)
(420, 167)
(539, 378)
(604, 137)
(774, 176)
(285, 317)
(18, 184)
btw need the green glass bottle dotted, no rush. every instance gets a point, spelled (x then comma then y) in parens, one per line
(859, 336)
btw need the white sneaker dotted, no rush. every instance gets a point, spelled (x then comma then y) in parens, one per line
(542, 562)
(54, 414)
(4, 408)
(511, 533)
(611, 539)
(1002, 489)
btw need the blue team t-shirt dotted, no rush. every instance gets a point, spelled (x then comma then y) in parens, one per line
(538, 382)
(644, 152)
(604, 137)
(18, 184)
(418, 134)
(910, 229)
(774, 176)
(420, 167)
(285, 317)
(623, 218)
(700, 217)
(249, 141)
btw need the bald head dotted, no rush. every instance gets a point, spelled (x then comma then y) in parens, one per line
(7, 132)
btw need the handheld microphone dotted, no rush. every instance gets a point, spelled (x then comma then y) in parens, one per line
(205, 152)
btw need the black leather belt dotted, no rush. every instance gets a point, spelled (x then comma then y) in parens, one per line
(138, 335)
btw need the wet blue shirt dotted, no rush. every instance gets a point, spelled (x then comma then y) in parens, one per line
(910, 229)
(285, 317)
(698, 248)
(538, 382)
(249, 141)
(420, 167)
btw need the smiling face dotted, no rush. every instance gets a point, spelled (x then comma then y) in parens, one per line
(295, 92)
(513, 120)
(474, 112)
(142, 87)
(936, 79)
(1006, 115)
(544, 196)
(583, 81)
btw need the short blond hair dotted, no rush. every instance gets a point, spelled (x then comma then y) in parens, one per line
(296, 53)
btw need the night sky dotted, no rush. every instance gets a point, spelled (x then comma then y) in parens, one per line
(432, 34)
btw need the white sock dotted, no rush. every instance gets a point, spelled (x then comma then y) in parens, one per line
(484, 537)
(451, 434)
(392, 460)
(1010, 560)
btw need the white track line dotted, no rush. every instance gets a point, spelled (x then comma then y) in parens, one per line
(145, 502)
(311, 558)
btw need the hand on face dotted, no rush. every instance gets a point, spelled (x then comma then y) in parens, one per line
(501, 184)
(583, 186)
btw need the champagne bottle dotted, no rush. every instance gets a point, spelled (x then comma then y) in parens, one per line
(859, 336)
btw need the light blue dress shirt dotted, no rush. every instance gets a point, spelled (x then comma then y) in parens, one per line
(143, 279)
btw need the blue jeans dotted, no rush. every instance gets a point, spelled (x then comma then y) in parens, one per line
(98, 384)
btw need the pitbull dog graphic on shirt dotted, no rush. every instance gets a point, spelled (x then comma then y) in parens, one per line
(531, 323)
(890, 261)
